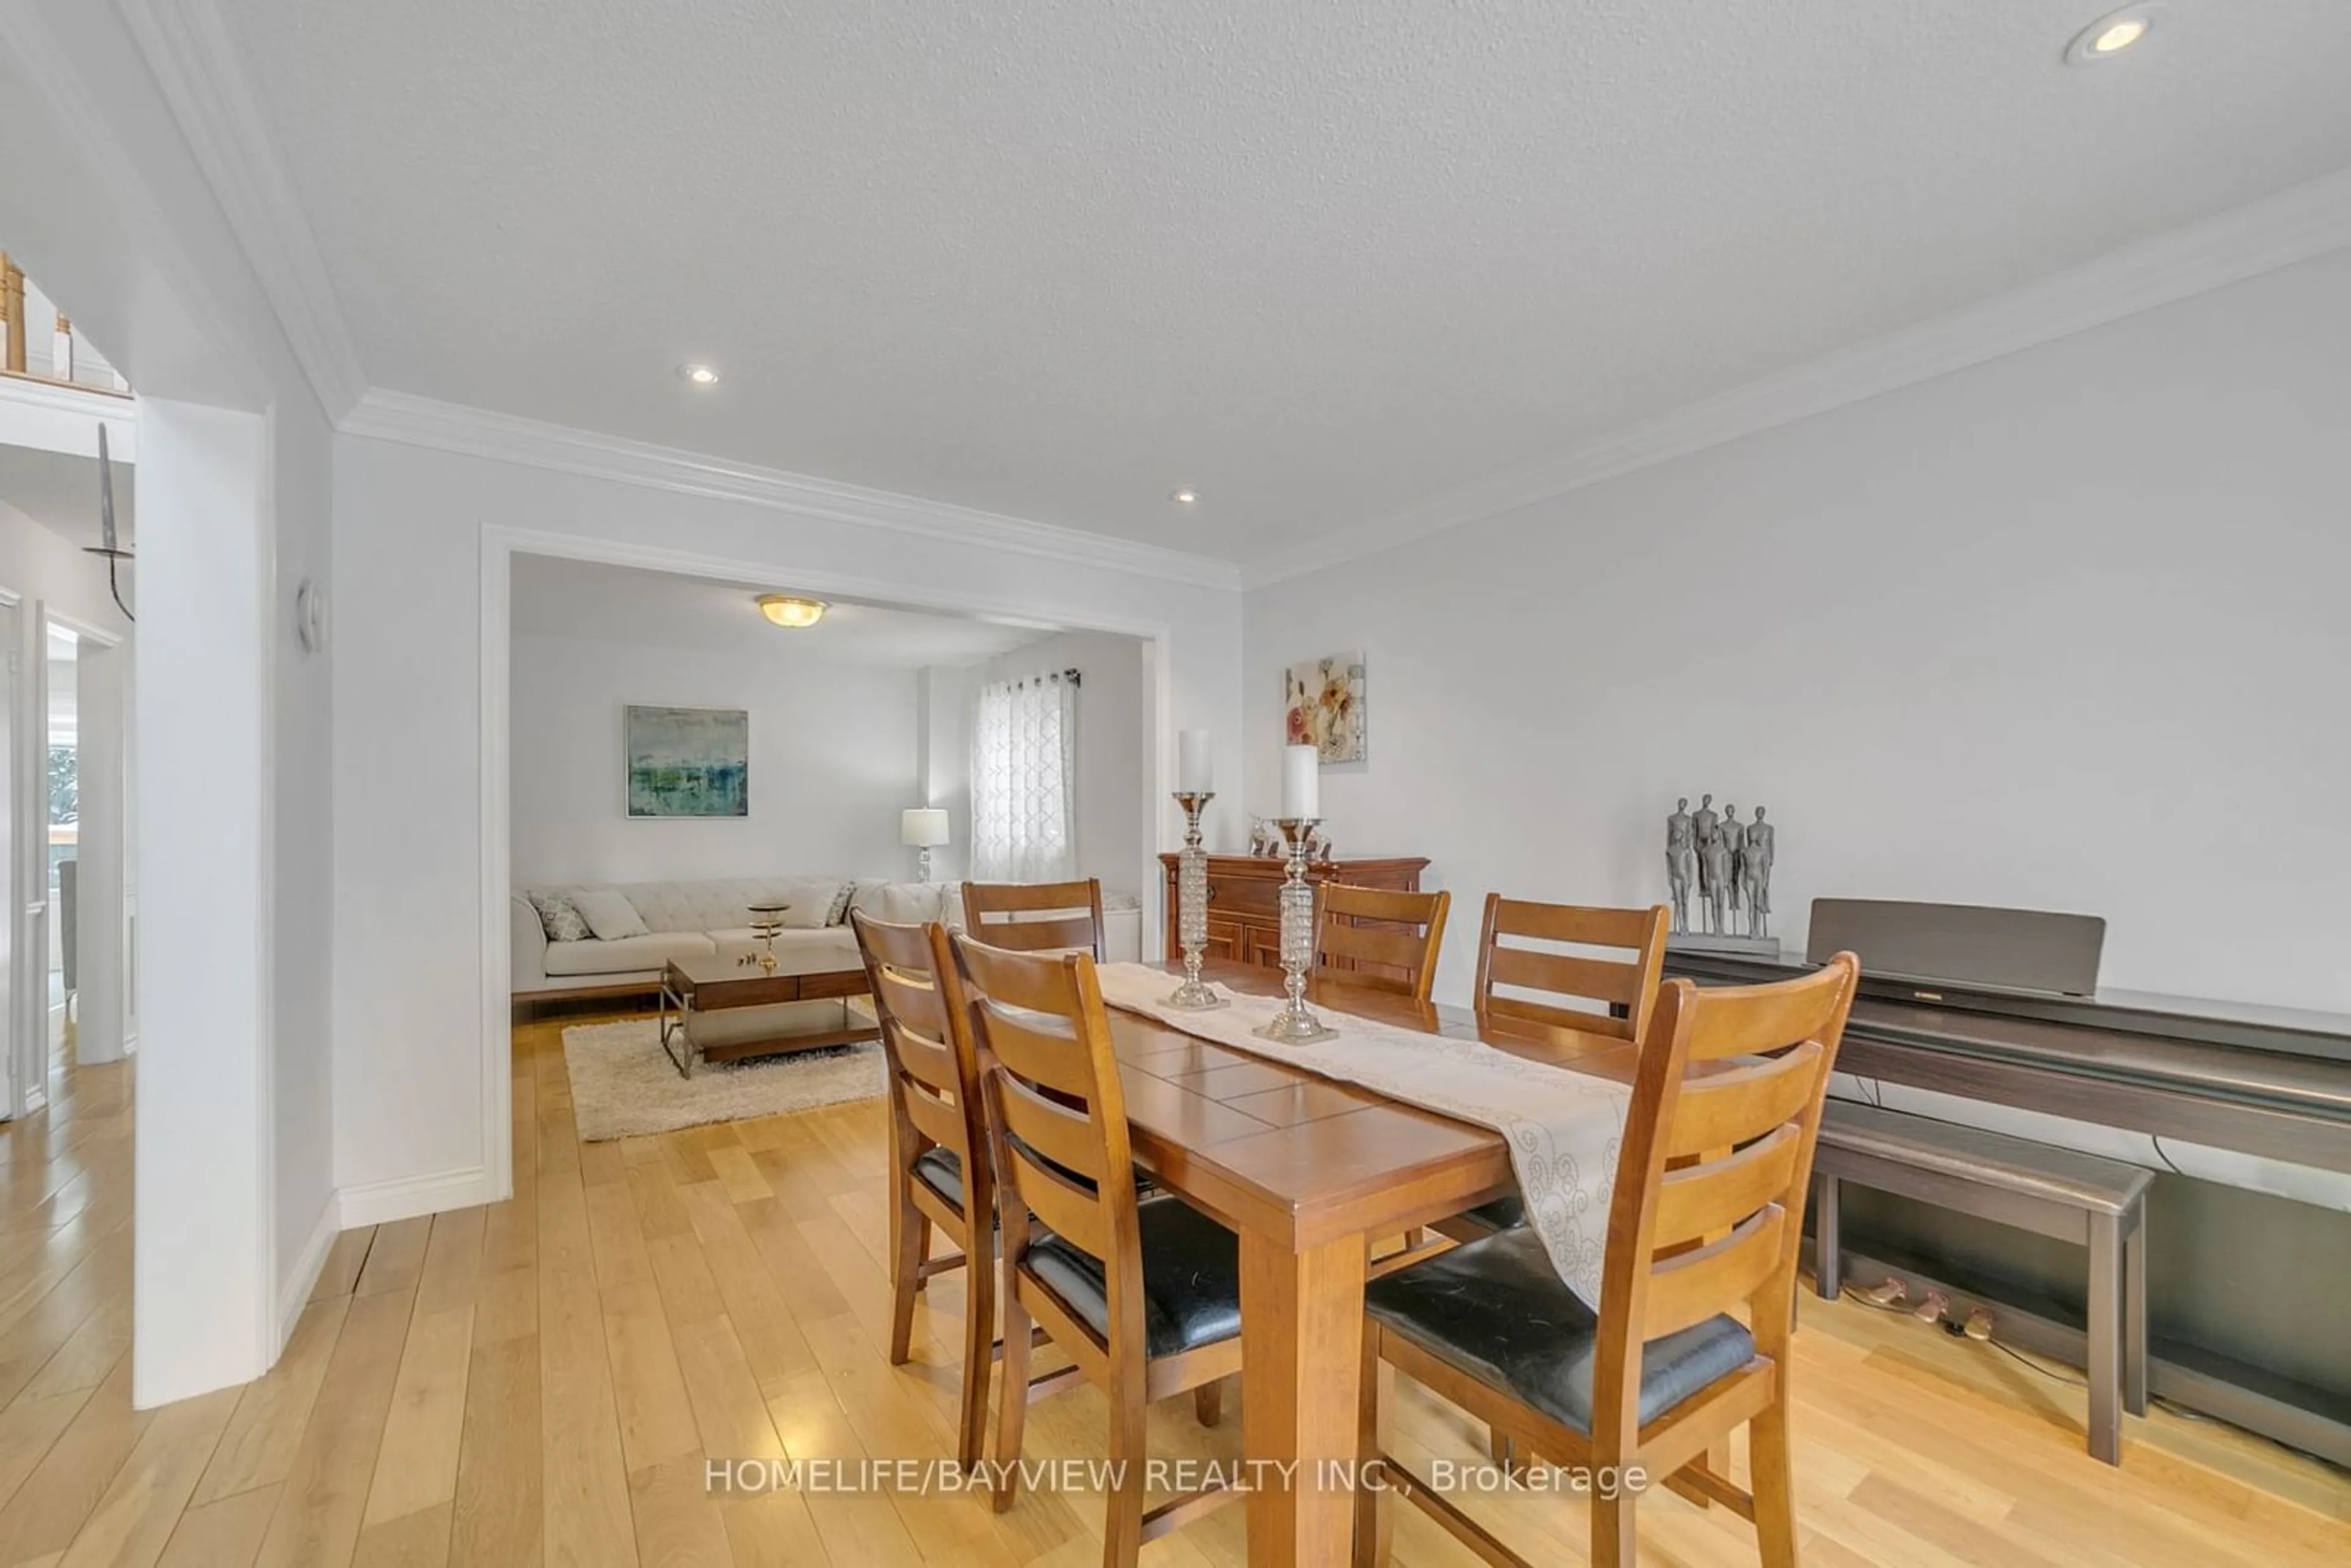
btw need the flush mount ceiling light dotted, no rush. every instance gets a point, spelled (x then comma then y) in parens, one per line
(701, 375)
(786, 611)
(1184, 497)
(2112, 34)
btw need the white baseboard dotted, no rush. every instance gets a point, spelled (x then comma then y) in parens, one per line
(296, 1293)
(380, 1202)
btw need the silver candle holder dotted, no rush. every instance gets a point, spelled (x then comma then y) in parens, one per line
(1296, 1024)
(1192, 908)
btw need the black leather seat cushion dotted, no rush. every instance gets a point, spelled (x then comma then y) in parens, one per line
(1191, 1279)
(1505, 1213)
(1496, 1310)
(940, 1170)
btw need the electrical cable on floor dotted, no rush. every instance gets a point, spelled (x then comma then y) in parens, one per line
(2159, 1401)
(2185, 1414)
(2027, 1362)
(2169, 1406)
(2016, 1355)
(2032, 1364)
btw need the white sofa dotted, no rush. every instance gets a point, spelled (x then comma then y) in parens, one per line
(706, 917)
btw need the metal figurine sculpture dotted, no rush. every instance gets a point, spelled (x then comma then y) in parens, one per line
(1736, 837)
(1731, 863)
(1755, 870)
(1703, 823)
(1714, 875)
(1681, 861)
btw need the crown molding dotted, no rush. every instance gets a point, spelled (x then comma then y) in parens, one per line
(2297, 223)
(416, 420)
(186, 48)
(57, 416)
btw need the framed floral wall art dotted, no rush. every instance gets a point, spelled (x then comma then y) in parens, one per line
(1322, 702)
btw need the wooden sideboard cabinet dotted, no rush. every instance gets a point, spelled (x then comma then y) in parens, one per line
(1243, 908)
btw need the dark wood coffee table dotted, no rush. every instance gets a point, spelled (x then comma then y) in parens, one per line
(717, 1009)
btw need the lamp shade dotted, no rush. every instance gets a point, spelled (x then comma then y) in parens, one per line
(924, 827)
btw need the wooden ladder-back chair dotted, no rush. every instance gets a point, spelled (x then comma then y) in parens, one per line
(1036, 916)
(940, 1173)
(1629, 984)
(1383, 939)
(1703, 1229)
(1144, 1296)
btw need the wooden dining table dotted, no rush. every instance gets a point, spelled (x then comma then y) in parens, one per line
(1308, 1172)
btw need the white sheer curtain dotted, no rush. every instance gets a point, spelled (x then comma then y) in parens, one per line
(1024, 780)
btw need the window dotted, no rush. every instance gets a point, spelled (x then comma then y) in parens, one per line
(1023, 786)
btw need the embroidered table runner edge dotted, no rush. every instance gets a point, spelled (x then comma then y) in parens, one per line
(1562, 1129)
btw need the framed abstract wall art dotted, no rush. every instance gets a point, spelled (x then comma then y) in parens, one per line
(1322, 703)
(688, 761)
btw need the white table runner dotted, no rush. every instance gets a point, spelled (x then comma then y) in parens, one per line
(1563, 1128)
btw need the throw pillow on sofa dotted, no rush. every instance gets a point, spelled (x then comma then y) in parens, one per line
(812, 899)
(558, 917)
(610, 915)
(911, 902)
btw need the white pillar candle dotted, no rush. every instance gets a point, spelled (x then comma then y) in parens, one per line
(1193, 774)
(1301, 782)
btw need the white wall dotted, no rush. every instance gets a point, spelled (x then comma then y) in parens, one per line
(302, 808)
(206, 1022)
(2066, 631)
(103, 708)
(410, 1025)
(107, 206)
(944, 695)
(832, 764)
(37, 564)
(1113, 829)
(42, 569)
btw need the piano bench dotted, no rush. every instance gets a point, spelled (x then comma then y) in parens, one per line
(2097, 1204)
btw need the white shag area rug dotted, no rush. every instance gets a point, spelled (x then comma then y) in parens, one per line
(623, 1084)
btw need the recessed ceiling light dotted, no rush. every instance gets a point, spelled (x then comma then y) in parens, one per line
(700, 375)
(2111, 34)
(1185, 497)
(784, 609)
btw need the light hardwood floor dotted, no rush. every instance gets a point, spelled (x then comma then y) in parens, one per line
(540, 1381)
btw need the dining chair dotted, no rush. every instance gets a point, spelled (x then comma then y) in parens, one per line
(1144, 1296)
(940, 1172)
(1703, 1229)
(1397, 934)
(1512, 979)
(1036, 916)
(1530, 974)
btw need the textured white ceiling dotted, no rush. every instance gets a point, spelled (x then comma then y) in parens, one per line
(1055, 258)
(560, 597)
